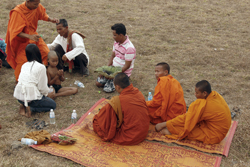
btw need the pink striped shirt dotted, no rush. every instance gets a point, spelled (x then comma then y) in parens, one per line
(124, 52)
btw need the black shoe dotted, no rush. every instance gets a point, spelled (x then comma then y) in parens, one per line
(86, 72)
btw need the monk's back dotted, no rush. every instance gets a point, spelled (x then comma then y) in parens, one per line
(134, 128)
(217, 114)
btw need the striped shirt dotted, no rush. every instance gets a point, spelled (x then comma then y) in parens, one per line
(124, 52)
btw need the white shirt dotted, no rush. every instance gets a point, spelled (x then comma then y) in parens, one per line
(32, 82)
(77, 44)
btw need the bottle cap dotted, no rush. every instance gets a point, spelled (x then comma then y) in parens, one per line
(35, 142)
(51, 110)
(74, 110)
(149, 93)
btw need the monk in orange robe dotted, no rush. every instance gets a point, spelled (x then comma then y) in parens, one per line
(208, 118)
(124, 120)
(21, 31)
(168, 100)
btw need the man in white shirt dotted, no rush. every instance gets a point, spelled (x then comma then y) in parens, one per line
(69, 46)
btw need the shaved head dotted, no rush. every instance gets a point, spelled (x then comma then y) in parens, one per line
(121, 80)
(204, 86)
(165, 66)
(52, 54)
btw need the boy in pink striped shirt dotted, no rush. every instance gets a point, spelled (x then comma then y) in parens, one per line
(123, 55)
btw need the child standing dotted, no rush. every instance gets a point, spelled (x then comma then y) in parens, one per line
(56, 76)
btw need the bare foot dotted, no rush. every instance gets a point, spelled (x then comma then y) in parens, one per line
(160, 126)
(22, 110)
(165, 131)
(28, 112)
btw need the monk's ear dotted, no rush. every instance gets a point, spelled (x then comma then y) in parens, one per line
(166, 72)
(205, 94)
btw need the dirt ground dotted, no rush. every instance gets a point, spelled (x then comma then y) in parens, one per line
(200, 39)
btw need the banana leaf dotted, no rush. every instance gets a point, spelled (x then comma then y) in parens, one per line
(108, 71)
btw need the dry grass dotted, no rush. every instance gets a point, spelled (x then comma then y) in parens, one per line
(182, 33)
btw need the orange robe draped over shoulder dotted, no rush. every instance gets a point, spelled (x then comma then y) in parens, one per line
(24, 20)
(135, 120)
(207, 120)
(168, 100)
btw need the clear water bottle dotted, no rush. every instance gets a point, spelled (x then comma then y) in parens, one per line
(28, 141)
(51, 89)
(52, 117)
(150, 97)
(80, 84)
(73, 117)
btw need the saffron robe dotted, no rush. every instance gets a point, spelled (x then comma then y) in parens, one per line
(24, 20)
(168, 100)
(135, 120)
(207, 120)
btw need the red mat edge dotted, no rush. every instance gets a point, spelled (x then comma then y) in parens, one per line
(218, 161)
(86, 114)
(230, 138)
(79, 121)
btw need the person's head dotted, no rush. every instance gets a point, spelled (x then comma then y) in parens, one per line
(202, 89)
(62, 28)
(162, 69)
(33, 53)
(52, 59)
(121, 81)
(32, 4)
(119, 32)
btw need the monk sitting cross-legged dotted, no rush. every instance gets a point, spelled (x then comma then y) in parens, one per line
(168, 100)
(208, 118)
(124, 120)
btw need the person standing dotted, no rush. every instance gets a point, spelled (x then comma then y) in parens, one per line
(21, 31)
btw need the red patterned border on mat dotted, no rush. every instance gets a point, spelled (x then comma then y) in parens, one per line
(86, 114)
(218, 161)
(230, 138)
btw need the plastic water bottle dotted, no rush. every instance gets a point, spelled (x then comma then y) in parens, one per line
(28, 141)
(150, 97)
(51, 89)
(80, 84)
(52, 117)
(73, 117)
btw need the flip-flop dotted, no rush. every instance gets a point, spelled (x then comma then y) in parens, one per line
(30, 123)
(40, 125)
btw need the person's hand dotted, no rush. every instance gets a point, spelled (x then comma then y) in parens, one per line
(54, 20)
(52, 95)
(34, 37)
(60, 73)
(64, 58)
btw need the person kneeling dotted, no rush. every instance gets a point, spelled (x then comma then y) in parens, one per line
(124, 120)
(208, 118)
(32, 90)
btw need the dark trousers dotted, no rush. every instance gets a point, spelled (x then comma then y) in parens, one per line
(45, 104)
(80, 60)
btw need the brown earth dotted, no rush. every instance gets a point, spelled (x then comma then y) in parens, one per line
(200, 39)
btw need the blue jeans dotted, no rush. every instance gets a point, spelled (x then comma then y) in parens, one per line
(45, 104)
